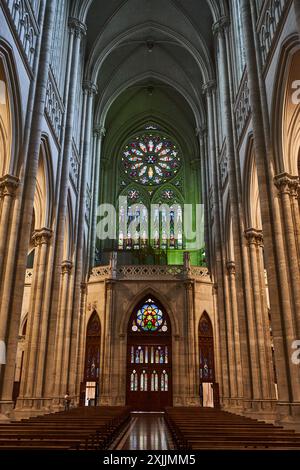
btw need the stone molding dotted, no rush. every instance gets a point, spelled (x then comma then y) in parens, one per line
(8, 185)
(99, 131)
(89, 87)
(146, 272)
(220, 26)
(42, 237)
(231, 268)
(209, 87)
(287, 184)
(77, 27)
(254, 237)
(66, 267)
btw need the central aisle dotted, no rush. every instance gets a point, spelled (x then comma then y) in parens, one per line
(146, 431)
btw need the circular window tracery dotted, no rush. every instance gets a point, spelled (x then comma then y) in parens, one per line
(151, 160)
(149, 318)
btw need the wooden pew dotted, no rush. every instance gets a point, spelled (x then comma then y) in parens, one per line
(211, 429)
(77, 429)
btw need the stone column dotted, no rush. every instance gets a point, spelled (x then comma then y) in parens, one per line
(230, 342)
(8, 186)
(261, 331)
(287, 186)
(220, 29)
(41, 240)
(297, 12)
(192, 397)
(106, 371)
(15, 305)
(281, 302)
(231, 272)
(81, 345)
(90, 90)
(99, 133)
(65, 368)
(66, 269)
(202, 135)
(209, 90)
(77, 30)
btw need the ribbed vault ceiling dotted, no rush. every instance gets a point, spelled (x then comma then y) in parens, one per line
(166, 45)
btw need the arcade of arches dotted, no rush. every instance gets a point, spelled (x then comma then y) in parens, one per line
(149, 205)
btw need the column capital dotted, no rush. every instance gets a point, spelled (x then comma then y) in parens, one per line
(66, 267)
(231, 268)
(220, 26)
(77, 27)
(8, 185)
(89, 87)
(209, 87)
(42, 236)
(201, 131)
(99, 131)
(287, 184)
(83, 288)
(254, 237)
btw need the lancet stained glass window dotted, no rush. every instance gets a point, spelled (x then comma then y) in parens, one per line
(151, 160)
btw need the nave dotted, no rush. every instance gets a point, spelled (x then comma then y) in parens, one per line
(119, 429)
(145, 431)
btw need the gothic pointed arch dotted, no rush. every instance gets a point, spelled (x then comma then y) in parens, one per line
(149, 357)
(285, 108)
(251, 189)
(206, 349)
(92, 349)
(10, 111)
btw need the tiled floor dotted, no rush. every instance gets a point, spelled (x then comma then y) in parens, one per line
(146, 431)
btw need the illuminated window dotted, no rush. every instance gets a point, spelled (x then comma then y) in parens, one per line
(151, 160)
(149, 318)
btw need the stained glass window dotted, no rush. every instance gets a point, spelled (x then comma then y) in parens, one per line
(134, 381)
(151, 160)
(164, 381)
(92, 354)
(206, 349)
(149, 318)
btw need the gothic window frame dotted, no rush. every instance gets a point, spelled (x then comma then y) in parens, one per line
(206, 347)
(149, 194)
(143, 158)
(140, 332)
(93, 338)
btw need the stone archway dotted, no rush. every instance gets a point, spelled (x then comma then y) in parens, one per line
(90, 384)
(149, 357)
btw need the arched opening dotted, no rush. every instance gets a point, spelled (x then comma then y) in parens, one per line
(20, 360)
(5, 123)
(149, 357)
(209, 392)
(90, 384)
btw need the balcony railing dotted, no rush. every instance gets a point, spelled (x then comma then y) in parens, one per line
(28, 276)
(25, 26)
(242, 107)
(149, 272)
(269, 23)
(54, 107)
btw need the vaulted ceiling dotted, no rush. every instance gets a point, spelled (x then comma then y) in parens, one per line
(164, 45)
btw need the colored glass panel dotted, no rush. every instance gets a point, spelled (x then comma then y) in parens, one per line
(151, 160)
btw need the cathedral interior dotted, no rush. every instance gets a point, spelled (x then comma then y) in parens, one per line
(149, 210)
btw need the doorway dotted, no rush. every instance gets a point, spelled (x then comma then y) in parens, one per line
(90, 386)
(209, 388)
(149, 358)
